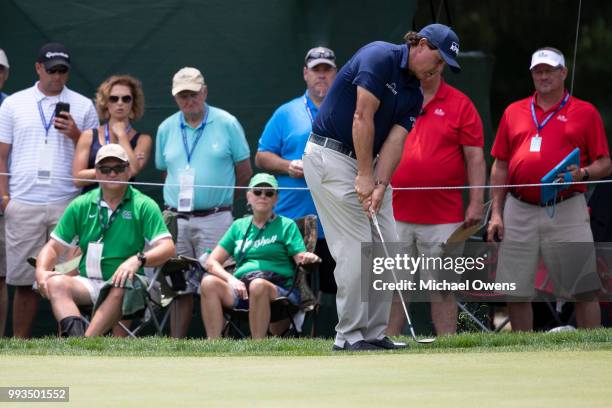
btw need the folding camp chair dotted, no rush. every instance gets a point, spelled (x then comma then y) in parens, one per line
(163, 286)
(281, 308)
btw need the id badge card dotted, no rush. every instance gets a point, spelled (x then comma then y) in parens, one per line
(186, 190)
(45, 164)
(93, 262)
(536, 144)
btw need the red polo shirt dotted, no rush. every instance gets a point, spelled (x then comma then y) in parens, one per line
(577, 124)
(433, 156)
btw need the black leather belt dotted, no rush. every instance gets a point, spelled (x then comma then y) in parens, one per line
(548, 204)
(332, 144)
(199, 213)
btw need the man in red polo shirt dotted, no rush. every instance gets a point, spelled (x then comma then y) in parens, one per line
(443, 149)
(534, 135)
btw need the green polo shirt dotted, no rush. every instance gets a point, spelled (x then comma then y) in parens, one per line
(267, 249)
(138, 219)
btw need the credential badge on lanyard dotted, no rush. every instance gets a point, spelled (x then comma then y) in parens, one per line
(45, 150)
(187, 175)
(93, 261)
(536, 141)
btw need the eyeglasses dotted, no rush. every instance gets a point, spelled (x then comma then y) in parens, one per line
(57, 70)
(327, 54)
(106, 170)
(124, 98)
(268, 193)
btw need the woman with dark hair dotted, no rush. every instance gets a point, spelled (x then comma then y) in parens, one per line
(119, 101)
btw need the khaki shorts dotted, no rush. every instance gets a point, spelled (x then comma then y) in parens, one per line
(564, 242)
(428, 240)
(27, 230)
(2, 248)
(195, 236)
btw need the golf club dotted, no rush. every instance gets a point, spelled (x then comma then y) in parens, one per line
(382, 240)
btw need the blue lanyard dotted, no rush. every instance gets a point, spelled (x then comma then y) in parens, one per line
(46, 125)
(308, 109)
(199, 130)
(540, 126)
(107, 132)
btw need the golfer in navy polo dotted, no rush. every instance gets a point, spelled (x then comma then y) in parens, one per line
(367, 113)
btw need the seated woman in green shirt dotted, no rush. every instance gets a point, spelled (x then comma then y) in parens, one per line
(263, 242)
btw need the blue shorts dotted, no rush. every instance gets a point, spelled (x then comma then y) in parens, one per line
(294, 297)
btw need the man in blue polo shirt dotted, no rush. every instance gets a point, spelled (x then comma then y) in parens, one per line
(199, 145)
(282, 144)
(367, 113)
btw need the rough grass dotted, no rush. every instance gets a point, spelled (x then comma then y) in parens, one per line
(590, 340)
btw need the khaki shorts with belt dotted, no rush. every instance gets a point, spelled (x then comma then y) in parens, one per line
(564, 242)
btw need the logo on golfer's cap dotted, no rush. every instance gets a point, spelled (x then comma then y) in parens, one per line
(454, 48)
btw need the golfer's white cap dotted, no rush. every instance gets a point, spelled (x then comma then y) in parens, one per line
(3, 59)
(548, 57)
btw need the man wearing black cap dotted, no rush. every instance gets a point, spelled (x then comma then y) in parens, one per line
(282, 144)
(37, 148)
(368, 111)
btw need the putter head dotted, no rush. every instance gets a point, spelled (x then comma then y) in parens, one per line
(426, 341)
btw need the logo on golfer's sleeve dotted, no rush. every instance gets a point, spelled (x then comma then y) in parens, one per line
(391, 86)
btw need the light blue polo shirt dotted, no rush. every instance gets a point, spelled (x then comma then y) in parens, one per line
(221, 146)
(286, 134)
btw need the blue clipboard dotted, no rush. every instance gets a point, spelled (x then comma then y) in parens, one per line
(549, 193)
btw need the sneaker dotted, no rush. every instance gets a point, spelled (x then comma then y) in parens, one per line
(387, 344)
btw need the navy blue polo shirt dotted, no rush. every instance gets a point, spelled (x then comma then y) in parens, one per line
(382, 69)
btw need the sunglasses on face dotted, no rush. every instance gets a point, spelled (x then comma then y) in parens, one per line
(124, 98)
(57, 70)
(268, 193)
(106, 170)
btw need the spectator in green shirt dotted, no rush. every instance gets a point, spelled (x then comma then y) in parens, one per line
(110, 225)
(264, 247)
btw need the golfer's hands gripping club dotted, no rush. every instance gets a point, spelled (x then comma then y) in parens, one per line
(369, 195)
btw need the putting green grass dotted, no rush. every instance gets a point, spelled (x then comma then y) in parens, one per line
(582, 340)
(501, 379)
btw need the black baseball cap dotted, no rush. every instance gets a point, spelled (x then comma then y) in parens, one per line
(53, 54)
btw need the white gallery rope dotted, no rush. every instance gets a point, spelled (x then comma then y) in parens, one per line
(151, 184)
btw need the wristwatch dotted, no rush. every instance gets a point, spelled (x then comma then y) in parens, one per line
(585, 175)
(142, 258)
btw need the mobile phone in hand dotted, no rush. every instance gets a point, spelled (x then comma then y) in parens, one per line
(61, 107)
